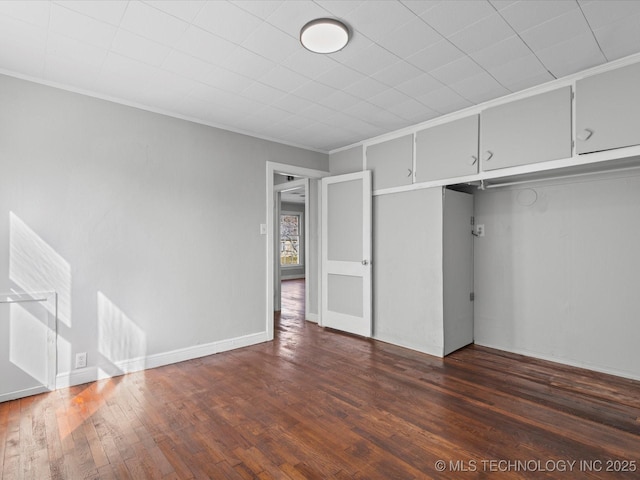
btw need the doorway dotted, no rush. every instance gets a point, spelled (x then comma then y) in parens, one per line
(312, 241)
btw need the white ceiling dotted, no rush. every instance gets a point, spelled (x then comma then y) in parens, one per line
(239, 64)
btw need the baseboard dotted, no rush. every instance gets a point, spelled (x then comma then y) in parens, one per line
(91, 374)
(563, 361)
(313, 317)
(27, 392)
(432, 350)
(292, 277)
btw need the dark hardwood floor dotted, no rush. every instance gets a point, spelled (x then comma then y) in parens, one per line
(319, 404)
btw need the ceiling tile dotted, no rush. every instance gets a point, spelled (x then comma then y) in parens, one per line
(139, 48)
(420, 6)
(502, 52)
(186, 65)
(109, 12)
(227, 20)
(602, 13)
(410, 38)
(313, 91)
(397, 73)
(502, 4)
(271, 43)
(443, 100)
(340, 77)
(419, 85)
(154, 24)
(81, 27)
(372, 60)
(248, 63)
(523, 15)
(283, 78)
(455, 71)
(577, 53)
(340, 8)
(205, 46)
(488, 31)
(366, 88)
(34, 12)
(259, 8)
(67, 71)
(183, 9)
(75, 51)
(531, 82)
(389, 98)
(621, 38)
(263, 93)
(293, 103)
(449, 17)
(514, 72)
(435, 56)
(479, 88)
(559, 29)
(28, 47)
(309, 64)
(226, 80)
(339, 100)
(376, 18)
(290, 17)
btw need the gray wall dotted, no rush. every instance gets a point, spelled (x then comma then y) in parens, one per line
(558, 278)
(146, 225)
(293, 272)
(407, 269)
(346, 161)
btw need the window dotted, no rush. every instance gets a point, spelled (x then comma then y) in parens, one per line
(290, 239)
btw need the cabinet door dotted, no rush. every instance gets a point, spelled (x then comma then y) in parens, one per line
(448, 150)
(531, 130)
(608, 110)
(391, 162)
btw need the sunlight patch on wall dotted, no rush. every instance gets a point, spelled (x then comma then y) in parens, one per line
(35, 266)
(119, 338)
(28, 337)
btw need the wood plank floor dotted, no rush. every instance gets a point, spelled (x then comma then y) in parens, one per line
(320, 404)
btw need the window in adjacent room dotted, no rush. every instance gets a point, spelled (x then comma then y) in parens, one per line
(291, 239)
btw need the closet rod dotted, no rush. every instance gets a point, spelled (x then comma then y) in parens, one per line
(561, 177)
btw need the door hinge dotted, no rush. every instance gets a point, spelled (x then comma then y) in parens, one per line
(473, 220)
(472, 296)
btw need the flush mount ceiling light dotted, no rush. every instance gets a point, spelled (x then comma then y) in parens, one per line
(324, 35)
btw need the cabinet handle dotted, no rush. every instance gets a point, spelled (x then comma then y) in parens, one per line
(585, 134)
(410, 172)
(472, 160)
(488, 156)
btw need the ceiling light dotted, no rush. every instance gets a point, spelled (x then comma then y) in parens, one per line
(324, 35)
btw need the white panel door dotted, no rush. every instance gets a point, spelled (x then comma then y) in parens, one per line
(346, 253)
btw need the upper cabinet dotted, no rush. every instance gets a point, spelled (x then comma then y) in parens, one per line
(391, 162)
(530, 130)
(608, 110)
(448, 150)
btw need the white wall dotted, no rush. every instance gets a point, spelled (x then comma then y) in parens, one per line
(558, 279)
(407, 269)
(346, 161)
(146, 225)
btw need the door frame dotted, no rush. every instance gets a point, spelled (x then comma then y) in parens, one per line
(284, 169)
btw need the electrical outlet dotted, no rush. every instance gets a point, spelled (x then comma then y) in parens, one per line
(81, 360)
(480, 230)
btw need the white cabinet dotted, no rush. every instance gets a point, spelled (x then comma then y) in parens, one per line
(608, 110)
(530, 130)
(448, 150)
(391, 162)
(423, 269)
